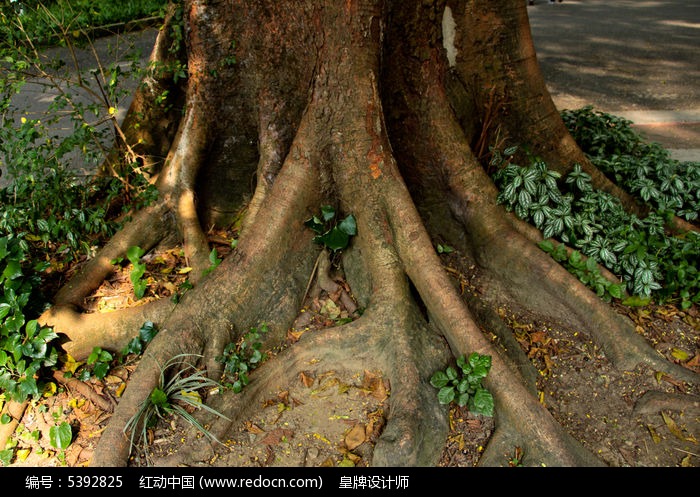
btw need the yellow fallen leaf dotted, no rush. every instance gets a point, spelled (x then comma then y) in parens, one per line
(71, 364)
(23, 454)
(50, 389)
(120, 389)
(184, 270)
(679, 354)
(672, 426)
(191, 395)
(654, 436)
(76, 403)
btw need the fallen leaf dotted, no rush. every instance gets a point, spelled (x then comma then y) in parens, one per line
(22, 454)
(330, 309)
(50, 389)
(654, 436)
(253, 428)
(307, 380)
(276, 436)
(294, 336)
(353, 457)
(672, 426)
(680, 354)
(120, 389)
(355, 437)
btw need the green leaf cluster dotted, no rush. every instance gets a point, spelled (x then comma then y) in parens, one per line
(585, 269)
(26, 347)
(45, 19)
(240, 358)
(331, 234)
(646, 170)
(568, 209)
(463, 384)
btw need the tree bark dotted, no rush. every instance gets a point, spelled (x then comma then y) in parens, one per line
(385, 110)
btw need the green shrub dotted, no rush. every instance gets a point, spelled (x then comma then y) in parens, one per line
(648, 260)
(26, 348)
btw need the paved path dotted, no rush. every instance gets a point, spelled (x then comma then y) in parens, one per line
(637, 59)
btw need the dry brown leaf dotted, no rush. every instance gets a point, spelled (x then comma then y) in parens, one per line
(326, 385)
(270, 456)
(306, 379)
(276, 436)
(355, 437)
(353, 457)
(294, 336)
(253, 428)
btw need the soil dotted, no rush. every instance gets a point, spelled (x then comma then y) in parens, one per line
(334, 417)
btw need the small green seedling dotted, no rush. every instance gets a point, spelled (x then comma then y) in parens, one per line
(239, 358)
(463, 385)
(134, 255)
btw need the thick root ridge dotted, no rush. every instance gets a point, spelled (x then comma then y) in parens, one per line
(110, 331)
(146, 229)
(114, 446)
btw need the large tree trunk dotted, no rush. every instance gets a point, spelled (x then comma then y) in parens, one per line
(385, 110)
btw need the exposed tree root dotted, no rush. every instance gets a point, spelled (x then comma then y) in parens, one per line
(106, 404)
(15, 410)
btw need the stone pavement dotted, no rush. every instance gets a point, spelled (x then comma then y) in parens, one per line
(636, 59)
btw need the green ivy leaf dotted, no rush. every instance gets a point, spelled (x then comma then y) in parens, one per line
(135, 253)
(158, 398)
(100, 370)
(327, 212)
(61, 436)
(315, 225)
(335, 239)
(13, 270)
(348, 225)
(148, 331)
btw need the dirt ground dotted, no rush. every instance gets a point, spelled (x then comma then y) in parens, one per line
(334, 417)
